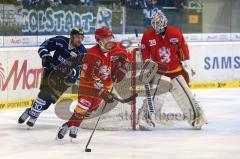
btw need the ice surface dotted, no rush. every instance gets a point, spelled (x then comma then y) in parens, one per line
(218, 140)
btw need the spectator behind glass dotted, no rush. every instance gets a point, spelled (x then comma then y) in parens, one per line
(153, 6)
(27, 3)
(55, 3)
(86, 2)
(179, 4)
(182, 4)
(138, 4)
(77, 2)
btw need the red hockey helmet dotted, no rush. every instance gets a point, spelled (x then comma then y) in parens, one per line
(102, 33)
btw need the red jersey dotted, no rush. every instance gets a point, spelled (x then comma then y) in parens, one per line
(98, 66)
(168, 50)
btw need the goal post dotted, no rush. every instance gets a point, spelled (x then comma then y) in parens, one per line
(133, 84)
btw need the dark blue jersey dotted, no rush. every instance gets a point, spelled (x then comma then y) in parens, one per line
(62, 50)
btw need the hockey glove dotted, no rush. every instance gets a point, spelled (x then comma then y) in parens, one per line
(119, 75)
(46, 62)
(106, 95)
(71, 79)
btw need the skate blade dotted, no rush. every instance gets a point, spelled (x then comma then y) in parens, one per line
(29, 128)
(143, 128)
(197, 128)
(57, 139)
(74, 141)
(61, 141)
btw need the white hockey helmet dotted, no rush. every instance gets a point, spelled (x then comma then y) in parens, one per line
(159, 22)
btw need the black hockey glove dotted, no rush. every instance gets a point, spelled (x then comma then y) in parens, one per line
(71, 79)
(46, 62)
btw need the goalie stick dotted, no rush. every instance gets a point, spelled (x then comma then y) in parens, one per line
(151, 110)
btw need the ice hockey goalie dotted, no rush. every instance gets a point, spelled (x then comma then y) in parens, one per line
(165, 45)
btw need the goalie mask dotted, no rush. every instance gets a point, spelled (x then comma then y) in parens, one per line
(159, 22)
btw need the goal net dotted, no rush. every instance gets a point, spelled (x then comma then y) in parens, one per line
(118, 116)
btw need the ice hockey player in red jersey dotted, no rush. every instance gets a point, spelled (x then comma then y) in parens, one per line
(165, 45)
(104, 64)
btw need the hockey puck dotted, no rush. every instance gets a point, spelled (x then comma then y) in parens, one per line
(88, 150)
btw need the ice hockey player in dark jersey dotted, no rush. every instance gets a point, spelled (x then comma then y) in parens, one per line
(63, 49)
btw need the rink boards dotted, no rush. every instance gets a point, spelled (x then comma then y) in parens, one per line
(217, 65)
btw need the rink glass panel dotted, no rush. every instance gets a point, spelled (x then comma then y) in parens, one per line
(202, 16)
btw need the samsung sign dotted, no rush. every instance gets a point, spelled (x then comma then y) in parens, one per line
(225, 62)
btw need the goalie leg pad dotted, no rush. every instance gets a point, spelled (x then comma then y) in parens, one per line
(161, 83)
(187, 102)
(159, 102)
(159, 114)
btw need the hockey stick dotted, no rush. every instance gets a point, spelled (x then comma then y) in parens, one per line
(94, 129)
(116, 98)
(126, 100)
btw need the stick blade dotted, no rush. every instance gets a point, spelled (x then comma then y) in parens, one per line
(88, 150)
(126, 100)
